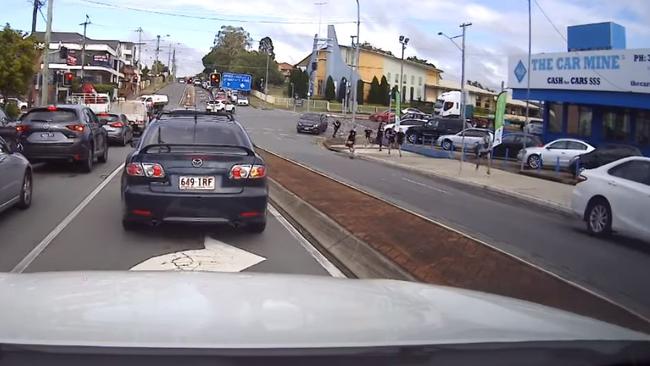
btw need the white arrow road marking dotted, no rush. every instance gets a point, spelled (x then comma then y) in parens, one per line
(217, 256)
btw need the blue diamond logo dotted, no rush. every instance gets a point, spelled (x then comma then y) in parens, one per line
(520, 71)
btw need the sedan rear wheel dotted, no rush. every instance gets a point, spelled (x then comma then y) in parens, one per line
(26, 192)
(599, 218)
(255, 227)
(447, 145)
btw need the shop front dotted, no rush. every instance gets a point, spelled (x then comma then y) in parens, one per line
(599, 96)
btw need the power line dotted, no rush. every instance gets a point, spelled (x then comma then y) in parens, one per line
(233, 20)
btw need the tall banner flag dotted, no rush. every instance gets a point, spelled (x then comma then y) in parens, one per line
(499, 115)
(398, 102)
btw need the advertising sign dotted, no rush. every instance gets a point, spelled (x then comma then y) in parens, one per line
(236, 81)
(101, 59)
(71, 60)
(610, 70)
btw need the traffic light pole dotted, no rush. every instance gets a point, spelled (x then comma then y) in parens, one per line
(83, 48)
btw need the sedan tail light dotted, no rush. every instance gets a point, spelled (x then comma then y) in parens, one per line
(245, 171)
(22, 128)
(117, 124)
(77, 127)
(149, 170)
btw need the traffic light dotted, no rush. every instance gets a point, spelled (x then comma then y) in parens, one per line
(67, 78)
(215, 79)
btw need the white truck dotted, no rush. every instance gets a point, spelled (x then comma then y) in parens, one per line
(135, 111)
(158, 101)
(448, 105)
(97, 102)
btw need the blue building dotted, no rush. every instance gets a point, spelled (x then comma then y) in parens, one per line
(598, 91)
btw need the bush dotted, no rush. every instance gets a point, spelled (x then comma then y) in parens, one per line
(330, 93)
(12, 111)
(105, 88)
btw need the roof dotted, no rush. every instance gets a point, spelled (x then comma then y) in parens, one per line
(455, 85)
(412, 63)
(74, 37)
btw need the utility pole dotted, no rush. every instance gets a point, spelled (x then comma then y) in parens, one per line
(173, 67)
(45, 87)
(266, 79)
(462, 96)
(354, 75)
(320, 13)
(37, 5)
(155, 67)
(139, 30)
(403, 41)
(83, 48)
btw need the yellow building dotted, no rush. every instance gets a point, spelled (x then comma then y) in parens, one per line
(419, 80)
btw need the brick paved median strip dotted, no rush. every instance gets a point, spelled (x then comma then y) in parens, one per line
(436, 254)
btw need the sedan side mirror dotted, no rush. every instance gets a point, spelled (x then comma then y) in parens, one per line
(135, 142)
(548, 148)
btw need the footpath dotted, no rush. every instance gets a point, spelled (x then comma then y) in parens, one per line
(542, 192)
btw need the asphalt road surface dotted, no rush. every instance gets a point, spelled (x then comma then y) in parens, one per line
(617, 268)
(74, 224)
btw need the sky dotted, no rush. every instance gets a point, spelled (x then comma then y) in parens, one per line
(499, 27)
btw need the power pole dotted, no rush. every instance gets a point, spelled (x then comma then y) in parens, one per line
(83, 48)
(157, 53)
(37, 5)
(173, 65)
(139, 30)
(45, 87)
(354, 75)
(266, 79)
(462, 97)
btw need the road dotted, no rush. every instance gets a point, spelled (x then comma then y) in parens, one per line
(617, 268)
(74, 224)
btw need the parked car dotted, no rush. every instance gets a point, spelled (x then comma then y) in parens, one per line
(603, 154)
(15, 178)
(512, 143)
(470, 137)
(203, 172)
(385, 116)
(406, 124)
(7, 129)
(559, 151)
(433, 128)
(117, 126)
(312, 122)
(22, 106)
(242, 100)
(615, 197)
(67, 132)
(534, 127)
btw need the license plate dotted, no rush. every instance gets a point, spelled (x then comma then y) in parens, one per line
(196, 183)
(47, 134)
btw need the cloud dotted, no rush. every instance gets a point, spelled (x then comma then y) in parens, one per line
(499, 27)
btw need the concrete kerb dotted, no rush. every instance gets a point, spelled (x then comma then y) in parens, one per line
(504, 193)
(352, 256)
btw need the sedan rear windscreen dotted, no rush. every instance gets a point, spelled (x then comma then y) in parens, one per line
(202, 134)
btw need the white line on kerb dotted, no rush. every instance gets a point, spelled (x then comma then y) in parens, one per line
(20, 267)
(324, 262)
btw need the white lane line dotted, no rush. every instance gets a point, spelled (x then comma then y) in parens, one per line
(20, 267)
(425, 185)
(324, 262)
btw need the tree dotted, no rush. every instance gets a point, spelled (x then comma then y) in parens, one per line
(384, 89)
(393, 92)
(374, 95)
(145, 73)
(254, 63)
(158, 67)
(343, 86)
(266, 47)
(17, 60)
(300, 83)
(305, 82)
(330, 93)
(228, 43)
(360, 91)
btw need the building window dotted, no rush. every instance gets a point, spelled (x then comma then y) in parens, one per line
(616, 125)
(555, 113)
(412, 79)
(643, 128)
(579, 120)
(419, 80)
(388, 77)
(397, 79)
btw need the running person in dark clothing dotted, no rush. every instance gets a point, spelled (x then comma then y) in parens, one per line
(390, 136)
(368, 140)
(349, 143)
(400, 140)
(380, 135)
(337, 125)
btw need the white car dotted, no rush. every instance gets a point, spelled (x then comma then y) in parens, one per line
(405, 124)
(215, 106)
(242, 100)
(22, 106)
(615, 197)
(473, 136)
(560, 151)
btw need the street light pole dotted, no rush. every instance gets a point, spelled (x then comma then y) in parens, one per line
(266, 79)
(404, 41)
(356, 69)
(527, 83)
(45, 87)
